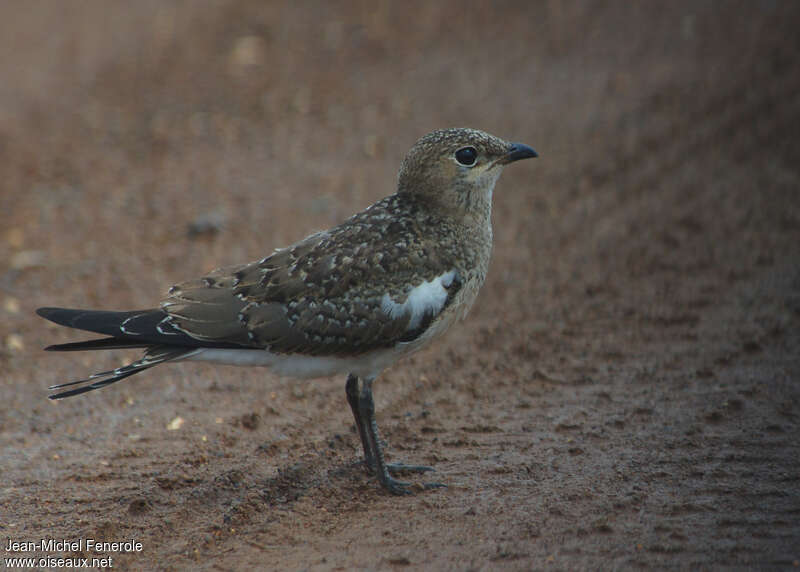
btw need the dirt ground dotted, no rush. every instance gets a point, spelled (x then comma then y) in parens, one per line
(626, 392)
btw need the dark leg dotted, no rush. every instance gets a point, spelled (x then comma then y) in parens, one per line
(352, 398)
(366, 409)
(371, 441)
(352, 390)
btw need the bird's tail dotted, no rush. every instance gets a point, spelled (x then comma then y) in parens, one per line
(153, 356)
(150, 329)
(138, 325)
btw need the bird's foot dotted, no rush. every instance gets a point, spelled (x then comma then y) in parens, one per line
(400, 468)
(403, 488)
(397, 487)
(395, 468)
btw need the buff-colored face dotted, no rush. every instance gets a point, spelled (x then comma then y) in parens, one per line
(458, 167)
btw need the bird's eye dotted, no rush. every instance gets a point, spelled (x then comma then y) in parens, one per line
(467, 156)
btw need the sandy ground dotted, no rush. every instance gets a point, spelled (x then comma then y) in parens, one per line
(625, 393)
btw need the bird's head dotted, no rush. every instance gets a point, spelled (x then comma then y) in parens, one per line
(458, 168)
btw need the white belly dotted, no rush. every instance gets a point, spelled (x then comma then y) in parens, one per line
(303, 366)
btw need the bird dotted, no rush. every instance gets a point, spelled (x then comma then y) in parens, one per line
(348, 301)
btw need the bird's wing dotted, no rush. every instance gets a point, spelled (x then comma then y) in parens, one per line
(338, 292)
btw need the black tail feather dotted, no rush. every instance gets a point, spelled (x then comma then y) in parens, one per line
(150, 329)
(105, 322)
(153, 356)
(99, 344)
(94, 385)
(137, 328)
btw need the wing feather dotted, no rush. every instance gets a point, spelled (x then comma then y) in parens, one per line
(327, 294)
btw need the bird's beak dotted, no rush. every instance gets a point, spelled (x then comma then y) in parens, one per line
(516, 152)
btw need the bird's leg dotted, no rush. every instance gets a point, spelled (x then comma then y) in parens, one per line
(371, 440)
(352, 398)
(352, 390)
(366, 410)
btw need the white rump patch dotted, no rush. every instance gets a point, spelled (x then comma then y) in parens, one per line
(427, 298)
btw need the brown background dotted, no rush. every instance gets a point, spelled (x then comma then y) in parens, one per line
(625, 393)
